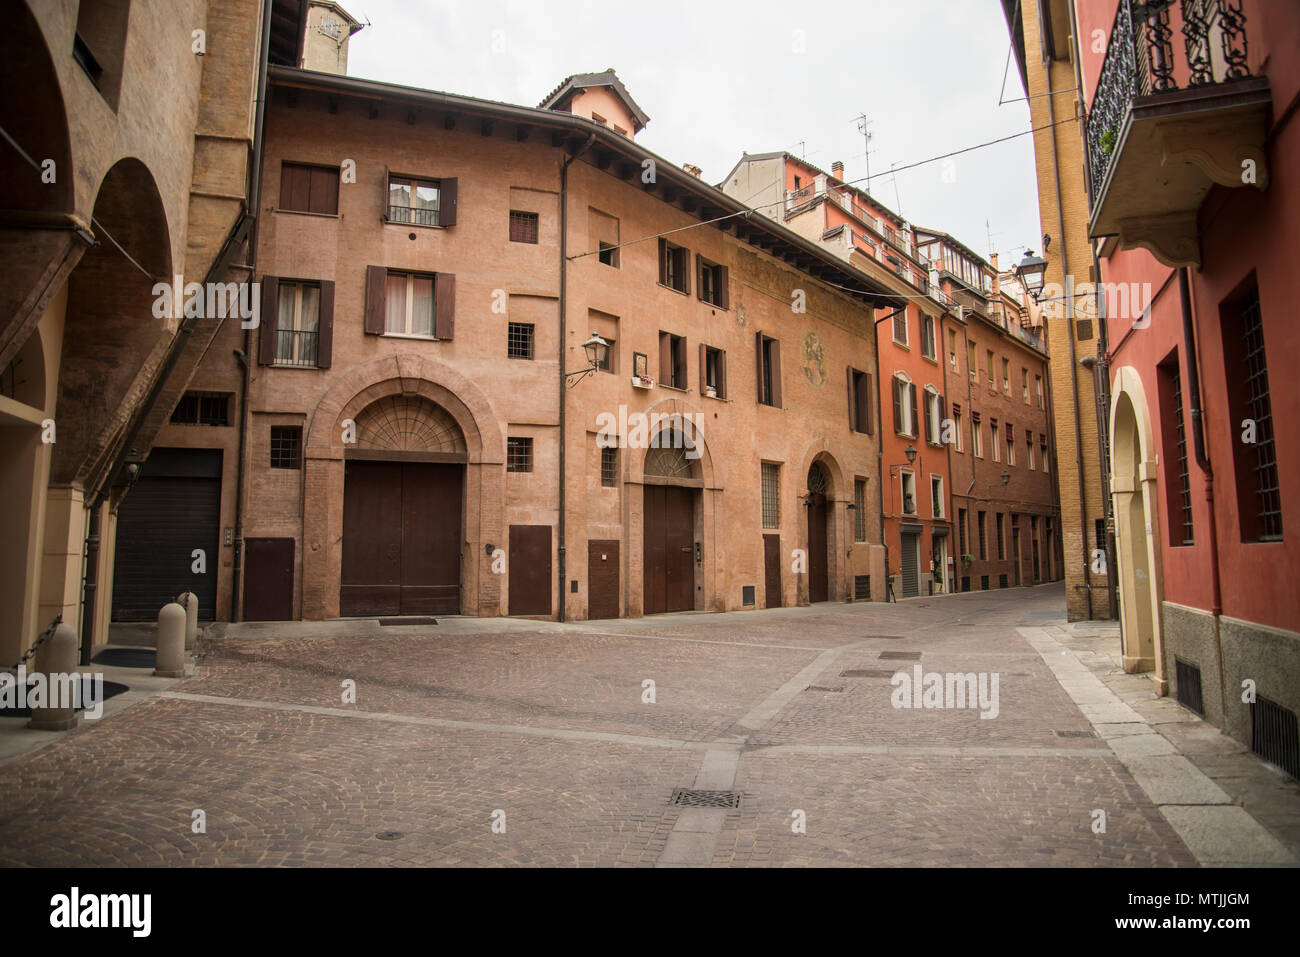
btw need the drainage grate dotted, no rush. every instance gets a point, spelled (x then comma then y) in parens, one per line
(1274, 735)
(867, 673)
(391, 835)
(1074, 734)
(901, 655)
(1188, 679)
(686, 797)
(834, 689)
(408, 621)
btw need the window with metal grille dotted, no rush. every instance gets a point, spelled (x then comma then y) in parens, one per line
(859, 510)
(519, 340)
(286, 446)
(1002, 547)
(519, 454)
(1259, 501)
(1178, 490)
(984, 583)
(523, 227)
(1187, 678)
(982, 526)
(1002, 581)
(961, 533)
(609, 468)
(202, 408)
(1275, 735)
(862, 588)
(771, 495)
(297, 324)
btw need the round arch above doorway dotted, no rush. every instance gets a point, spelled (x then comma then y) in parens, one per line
(408, 423)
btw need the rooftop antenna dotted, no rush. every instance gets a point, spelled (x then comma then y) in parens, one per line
(863, 124)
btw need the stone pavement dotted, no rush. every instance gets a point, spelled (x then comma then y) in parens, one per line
(545, 728)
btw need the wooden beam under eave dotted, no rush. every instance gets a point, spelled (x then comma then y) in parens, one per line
(670, 194)
(449, 121)
(603, 160)
(626, 170)
(690, 204)
(558, 138)
(521, 132)
(485, 127)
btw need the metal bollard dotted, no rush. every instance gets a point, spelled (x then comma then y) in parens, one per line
(58, 656)
(190, 602)
(169, 656)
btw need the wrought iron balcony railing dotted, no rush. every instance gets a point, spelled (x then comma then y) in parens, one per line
(296, 347)
(1140, 61)
(417, 215)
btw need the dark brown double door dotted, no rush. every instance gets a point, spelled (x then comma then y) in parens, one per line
(401, 539)
(818, 571)
(669, 553)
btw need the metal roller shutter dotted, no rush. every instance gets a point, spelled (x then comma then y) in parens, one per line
(174, 508)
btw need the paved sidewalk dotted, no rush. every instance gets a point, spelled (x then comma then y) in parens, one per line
(549, 729)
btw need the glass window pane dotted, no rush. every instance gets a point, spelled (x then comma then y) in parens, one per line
(422, 307)
(399, 193)
(288, 292)
(395, 303)
(309, 316)
(426, 197)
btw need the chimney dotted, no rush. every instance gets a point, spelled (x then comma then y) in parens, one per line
(837, 169)
(693, 170)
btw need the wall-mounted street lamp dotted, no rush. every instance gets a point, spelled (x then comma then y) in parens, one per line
(597, 350)
(910, 452)
(1031, 271)
(1006, 477)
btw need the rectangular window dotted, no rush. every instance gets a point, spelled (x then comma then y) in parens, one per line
(771, 495)
(414, 201)
(297, 324)
(995, 440)
(958, 441)
(609, 468)
(607, 361)
(952, 348)
(859, 401)
(1029, 452)
(1011, 445)
(609, 254)
(933, 417)
(982, 525)
(672, 266)
(936, 495)
(1038, 389)
(1006, 376)
(1042, 448)
(1024, 384)
(1259, 501)
(672, 360)
(286, 446)
(519, 454)
(309, 189)
(927, 337)
(769, 370)
(972, 366)
(991, 373)
(523, 227)
(1002, 546)
(961, 533)
(900, 328)
(715, 372)
(859, 510)
(519, 340)
(1177, 484)
(408, 305)
(976, 437)
(202, 408)
(905, 412)
(909, 492)
(713, 283)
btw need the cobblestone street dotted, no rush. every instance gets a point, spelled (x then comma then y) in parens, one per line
(547, 723)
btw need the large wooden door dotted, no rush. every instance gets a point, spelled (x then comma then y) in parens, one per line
(818, 570)
(530, 569)
(669, 549)
(602, 579)
(401, 539)
(772, 571)
(268, 579)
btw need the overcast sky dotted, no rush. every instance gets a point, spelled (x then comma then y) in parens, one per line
(718, 77)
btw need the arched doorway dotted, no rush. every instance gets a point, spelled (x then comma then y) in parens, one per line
(819, 493)
(669, 507)
(403, 510)
(1135, 521)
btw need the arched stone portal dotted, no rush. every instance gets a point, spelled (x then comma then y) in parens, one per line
(823, 529)
(672, 521)
(383, 425)
(1133, 484)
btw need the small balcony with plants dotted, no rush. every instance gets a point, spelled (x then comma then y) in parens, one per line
(1176, 111)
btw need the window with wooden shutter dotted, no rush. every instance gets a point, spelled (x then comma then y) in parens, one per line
(672, 361)
(444, 305)
(309, 189)
(712, 282)
(713, 372)
(768, 367)
(268, 310)
(376, 296)
(413, 201)
(674, 267)
(859, 401)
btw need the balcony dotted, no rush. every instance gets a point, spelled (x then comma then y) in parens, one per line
(1165, 127)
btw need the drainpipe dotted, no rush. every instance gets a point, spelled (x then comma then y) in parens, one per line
(880, 439)
(254, 198)
(1102, 387)
(1203, 463)
(1074, 359)
(564, 286)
